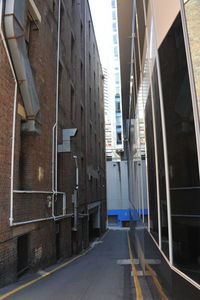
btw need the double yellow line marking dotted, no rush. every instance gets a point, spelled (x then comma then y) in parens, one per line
(156, 282)
(136, 282)
(152, 273)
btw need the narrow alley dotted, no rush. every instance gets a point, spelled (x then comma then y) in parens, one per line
(100, 149)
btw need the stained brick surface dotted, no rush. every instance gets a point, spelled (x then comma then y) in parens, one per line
(33, 153)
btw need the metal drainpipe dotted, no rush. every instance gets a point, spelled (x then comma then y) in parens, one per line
(14, 112)
(55, 126)
(76, 195)
(85, 94)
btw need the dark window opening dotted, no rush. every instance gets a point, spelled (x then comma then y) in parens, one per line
(72, 104)
(117, 107)
(30, 30)
(72, 49)
(22, 254)
(119, 138)
(58, 252)
(54, 6)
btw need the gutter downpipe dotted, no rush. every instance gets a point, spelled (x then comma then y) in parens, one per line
(14, 113)
(85, 100)
(55, 126)
(76, 195)
(55, 131)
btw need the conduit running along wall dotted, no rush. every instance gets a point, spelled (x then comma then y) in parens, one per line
(14, 22)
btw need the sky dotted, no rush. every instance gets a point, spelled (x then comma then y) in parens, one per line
(101, 15)
(102, 20)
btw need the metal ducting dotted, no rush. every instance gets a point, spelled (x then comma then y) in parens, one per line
(14, 23)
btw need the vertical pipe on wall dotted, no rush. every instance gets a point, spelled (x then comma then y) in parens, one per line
(76, 195)
(14, 113)
(55, 126)
(57, 98)
(85, 97)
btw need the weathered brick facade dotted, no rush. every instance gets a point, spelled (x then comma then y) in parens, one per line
(80, 105)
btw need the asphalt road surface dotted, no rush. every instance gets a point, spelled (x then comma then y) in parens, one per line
(98, 275)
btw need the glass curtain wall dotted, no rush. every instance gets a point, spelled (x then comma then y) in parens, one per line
(182, 152)
(168, 103)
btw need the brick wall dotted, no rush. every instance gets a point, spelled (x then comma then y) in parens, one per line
(49, 240)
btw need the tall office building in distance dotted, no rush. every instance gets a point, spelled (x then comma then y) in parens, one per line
(108, 115)
(117, 80)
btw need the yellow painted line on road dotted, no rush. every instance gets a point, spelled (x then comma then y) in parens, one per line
(40, 277)
(136, 282)
(156, 282)
(21, 287)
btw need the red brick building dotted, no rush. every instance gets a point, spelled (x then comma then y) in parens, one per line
(52, 178)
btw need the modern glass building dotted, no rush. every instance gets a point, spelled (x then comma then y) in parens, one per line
(160, 74)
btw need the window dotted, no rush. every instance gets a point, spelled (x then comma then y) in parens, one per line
(95, 110)
(118, 120)
(72, 104)
(89, 65)
(90, 138)
(31, 26)
(182, 152)
(81, 33)
(117, 107)
(73, 5)
(60, 82)
(115, 51)
(114, 26)
(82, 125)
(95, 145)
(117, 90)
(94, 78)
(89, 29)
(54, 6)
(81, 71)
(117, 78)
(115, 39)
(72, 49)
(62, 25)
(119, 138)
(114, 15)
(90, 101)
(113, 3)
